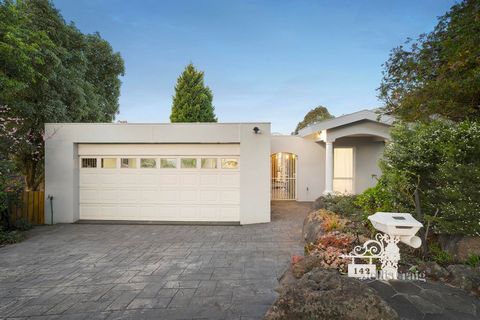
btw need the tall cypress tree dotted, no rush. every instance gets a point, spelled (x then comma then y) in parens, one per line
(193, 100)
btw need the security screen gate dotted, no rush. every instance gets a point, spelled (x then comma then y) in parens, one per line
(284, 175)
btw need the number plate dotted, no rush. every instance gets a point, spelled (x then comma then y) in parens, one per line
(362, 270)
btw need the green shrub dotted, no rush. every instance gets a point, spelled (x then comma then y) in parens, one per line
(342, 204)
(9, 237)
(23, 224)
(375, 199)
(438, 255)
(473, 260)
(440, 160)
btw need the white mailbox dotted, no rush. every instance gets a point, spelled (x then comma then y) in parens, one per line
(401, 225)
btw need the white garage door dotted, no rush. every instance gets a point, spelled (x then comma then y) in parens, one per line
(158, 182)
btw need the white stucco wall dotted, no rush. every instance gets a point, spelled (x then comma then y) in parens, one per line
(310, 164)
(367, 153)
(61, 159)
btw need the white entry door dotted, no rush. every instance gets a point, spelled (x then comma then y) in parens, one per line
(159, 182)
(343, 170)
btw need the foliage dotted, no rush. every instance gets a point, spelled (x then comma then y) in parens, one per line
(375, 199)
(344, 204)
(10, 187)
(473, 260)
(438, 74)
(51, 72)
(23, 225)
(9, 237)
(329, 248)
(440, 160)
(438, 255)
(315, 115)
(193, 100)
(330, 221)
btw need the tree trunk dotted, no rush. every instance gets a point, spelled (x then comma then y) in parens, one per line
(419, 216)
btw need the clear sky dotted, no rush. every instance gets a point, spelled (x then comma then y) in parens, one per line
(264, 60)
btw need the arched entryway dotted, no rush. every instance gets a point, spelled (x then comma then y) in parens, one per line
(284, 176)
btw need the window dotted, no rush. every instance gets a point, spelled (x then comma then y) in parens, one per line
(209, 163)
(167, 163)
(343, 170)
(229, 163)
(109, 163)
(188, 163)
(89, 163)
(128, 163)
(148, 163)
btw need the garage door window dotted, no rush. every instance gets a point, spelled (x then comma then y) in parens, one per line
(148, 163)
(188, 163)
(229, 163)
(89, 163)
(209, 163)
(128, 163)
(109, 163)
(168, 163)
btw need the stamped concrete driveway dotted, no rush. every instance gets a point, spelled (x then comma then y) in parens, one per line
(77, 271)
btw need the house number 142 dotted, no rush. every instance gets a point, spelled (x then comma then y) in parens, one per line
(361, 270)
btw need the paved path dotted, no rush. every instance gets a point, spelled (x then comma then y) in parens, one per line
(76, 271)
(416, 300)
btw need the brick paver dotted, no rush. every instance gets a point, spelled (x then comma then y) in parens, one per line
(78, 271)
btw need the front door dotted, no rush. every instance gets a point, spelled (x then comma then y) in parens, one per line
(284, 176)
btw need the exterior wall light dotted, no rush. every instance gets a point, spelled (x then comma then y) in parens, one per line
(256, 130)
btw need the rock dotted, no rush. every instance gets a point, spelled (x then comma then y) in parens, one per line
(325, 294)
(460, 247)
(433, 270)
(305, 265)
(465, 277)
(296, 259)
(319, 203)
(467, 246)
(312, 225)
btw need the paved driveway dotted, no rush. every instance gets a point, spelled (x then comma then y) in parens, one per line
(76, 271)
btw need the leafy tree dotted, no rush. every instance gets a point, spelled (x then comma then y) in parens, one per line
(438, 74)
(51, 72)
(317, 114)
(193, 100)
(439, 161)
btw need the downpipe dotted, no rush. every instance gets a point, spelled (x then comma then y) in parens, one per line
(50, 197)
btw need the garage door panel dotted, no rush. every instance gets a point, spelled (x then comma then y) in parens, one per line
(188, 195)
(89, 178)
(89, 195)
(125, 212)
(209, 195)
(189, 180)
(168, 196)
(108, 195)
(149, 180)
(126, 179)
(89, 211)
(128, 195)
(159, 194)
(150, 196)
(230, 180)
(209, 179)
(168, 180)
(108, 178)
(231, 196)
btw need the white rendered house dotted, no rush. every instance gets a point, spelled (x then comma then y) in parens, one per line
(224, 173)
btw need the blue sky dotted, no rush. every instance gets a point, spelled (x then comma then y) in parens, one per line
(264, 60)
